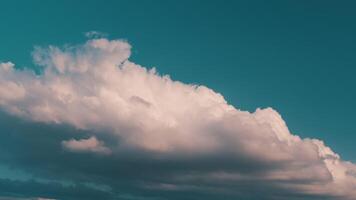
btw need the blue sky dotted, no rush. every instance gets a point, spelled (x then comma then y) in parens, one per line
(297, 57)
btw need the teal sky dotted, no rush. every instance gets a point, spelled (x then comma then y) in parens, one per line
(295, 56)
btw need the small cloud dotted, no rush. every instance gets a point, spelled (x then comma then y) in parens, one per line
(86, 145)
(95, 34)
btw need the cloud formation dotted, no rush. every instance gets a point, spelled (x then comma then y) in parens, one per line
(86, 145)
(186, 138)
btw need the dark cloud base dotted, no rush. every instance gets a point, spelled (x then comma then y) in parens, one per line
(36, 149)
(33, 189)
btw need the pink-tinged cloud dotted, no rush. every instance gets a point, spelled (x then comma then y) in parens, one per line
(86, 145)
(95, 87)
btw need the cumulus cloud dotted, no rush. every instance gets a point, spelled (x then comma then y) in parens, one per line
(215, 146)
(86, 145)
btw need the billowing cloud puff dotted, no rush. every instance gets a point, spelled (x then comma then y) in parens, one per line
(204, 143)
(86, 145)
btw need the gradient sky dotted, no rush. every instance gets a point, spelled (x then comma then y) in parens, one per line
(297, 57)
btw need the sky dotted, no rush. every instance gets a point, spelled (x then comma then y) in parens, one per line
(78, 127)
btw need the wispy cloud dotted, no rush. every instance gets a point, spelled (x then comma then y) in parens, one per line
(95, 34)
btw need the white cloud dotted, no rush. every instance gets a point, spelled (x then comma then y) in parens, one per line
(95, 34)
(95, 87)
(86, 145)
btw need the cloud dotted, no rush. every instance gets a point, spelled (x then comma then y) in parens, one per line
(86, 145)
(34, 190)
(95, 34)
(162, 135)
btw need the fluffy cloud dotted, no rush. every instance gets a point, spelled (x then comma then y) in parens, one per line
(198, 141)
(86, 145)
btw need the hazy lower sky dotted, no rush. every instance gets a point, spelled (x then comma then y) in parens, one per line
(297, 57)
